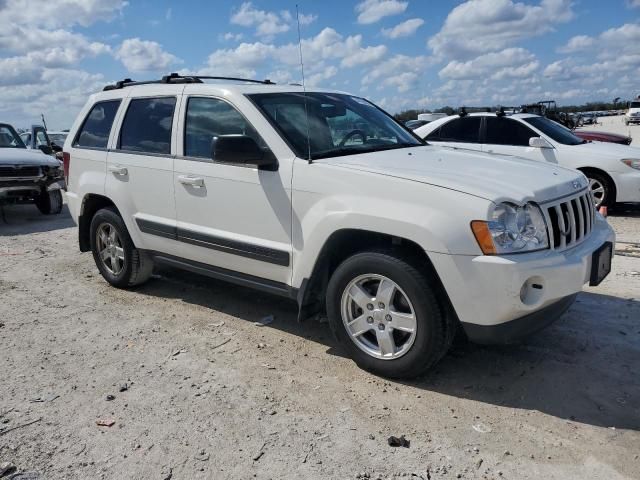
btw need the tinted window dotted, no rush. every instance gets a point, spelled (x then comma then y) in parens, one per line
(465, 129)
(97, 126)
(9, 137)
(554, 130)
(147, 125)
(505, 131)
(208, 118)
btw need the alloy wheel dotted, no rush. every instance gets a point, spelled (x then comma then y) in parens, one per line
(378, 316)
(598, 191)
(110, 249)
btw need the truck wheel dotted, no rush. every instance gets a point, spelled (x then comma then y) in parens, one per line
(384, 312)
(49, 203)
(119, 261)
(601, 189)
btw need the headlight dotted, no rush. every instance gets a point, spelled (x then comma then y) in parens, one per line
(632, 162)
(512, 229)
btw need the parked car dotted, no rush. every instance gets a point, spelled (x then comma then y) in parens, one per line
(633, 113)
(399, 242)
(613, 170)
(589, 119)
(28, 176)
(595, 136)
(413, 124)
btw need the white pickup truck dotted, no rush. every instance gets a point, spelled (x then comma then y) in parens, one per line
(323, 198)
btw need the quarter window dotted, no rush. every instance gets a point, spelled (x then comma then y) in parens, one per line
(97, 126)
(505, 131)
(147, 125)
(464, 130)
(208, 118)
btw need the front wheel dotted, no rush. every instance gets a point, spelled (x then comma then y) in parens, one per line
(384, 312)
(119, 261)
(49, 202)
(601, 189)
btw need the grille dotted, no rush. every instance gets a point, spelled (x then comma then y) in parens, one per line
(19, 171)
(570, 220)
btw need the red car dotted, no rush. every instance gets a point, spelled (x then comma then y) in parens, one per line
(603, 137)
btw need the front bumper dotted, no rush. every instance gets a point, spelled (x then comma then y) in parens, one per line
(627, 185)
(487, 291)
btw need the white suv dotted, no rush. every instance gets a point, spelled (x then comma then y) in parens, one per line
(322, 197)
(633, 113)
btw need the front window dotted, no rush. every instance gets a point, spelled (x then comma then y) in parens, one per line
(58, 138)
(634, 105)
(9, 138)
(321, 125)
(554, 130)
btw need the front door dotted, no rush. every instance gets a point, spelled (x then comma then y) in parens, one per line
(506, 136)
(235, 217)
(461, 132)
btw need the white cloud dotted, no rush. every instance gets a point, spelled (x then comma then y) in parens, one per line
(577, 43)
(307, 19)
(267, 24)
(479, 26)
(229, 36)
(633, 3)
(403, 29)
(400, 71)
(143, 56)
(371, 11)
(363, 56)
(61, 13)
(508, 63)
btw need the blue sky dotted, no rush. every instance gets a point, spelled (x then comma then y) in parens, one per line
(399, 53)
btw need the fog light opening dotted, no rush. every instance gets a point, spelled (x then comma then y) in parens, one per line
(532, 291)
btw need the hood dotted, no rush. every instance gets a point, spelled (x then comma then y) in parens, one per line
(492, 177)
(23, 156)
(606, 150)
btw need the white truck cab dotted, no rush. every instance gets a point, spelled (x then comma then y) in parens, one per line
(633, 112)
(321, 197)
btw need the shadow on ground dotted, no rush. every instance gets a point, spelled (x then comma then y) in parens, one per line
(583, 368)
(631, 210)
(26, 219)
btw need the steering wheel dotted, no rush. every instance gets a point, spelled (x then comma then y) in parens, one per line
(353, 133)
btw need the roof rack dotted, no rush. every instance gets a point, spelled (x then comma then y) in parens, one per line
(175, 78)
(500, 111)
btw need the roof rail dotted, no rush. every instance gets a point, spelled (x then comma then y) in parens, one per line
(176, 78)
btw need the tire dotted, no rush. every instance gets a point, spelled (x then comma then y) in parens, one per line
(602, 189)
(50, 203)
(417, 351)
(125, 265)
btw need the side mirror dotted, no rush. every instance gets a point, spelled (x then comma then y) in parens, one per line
(46, 149)
(539, 142)
(241, 149)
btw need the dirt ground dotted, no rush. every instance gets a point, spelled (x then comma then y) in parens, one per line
(200, 391)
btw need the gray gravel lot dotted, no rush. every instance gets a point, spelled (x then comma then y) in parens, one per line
(211, 395)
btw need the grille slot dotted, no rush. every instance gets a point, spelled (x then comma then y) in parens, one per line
(19, 171)
(570, 220)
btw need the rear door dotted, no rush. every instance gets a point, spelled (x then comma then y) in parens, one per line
(140, 167)
(462, 132)
(507, 136)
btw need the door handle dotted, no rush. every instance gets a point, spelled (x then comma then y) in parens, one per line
(191, 181)
(118, 170)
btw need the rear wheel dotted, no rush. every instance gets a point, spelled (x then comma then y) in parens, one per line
(50, 202)
(119, 261)
(384, 312)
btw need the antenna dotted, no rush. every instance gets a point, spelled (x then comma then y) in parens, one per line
(304, 89)
(44, 123)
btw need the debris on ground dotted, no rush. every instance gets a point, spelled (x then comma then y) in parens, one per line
(110, 398)
(257, 456)
(217, 324)
(107, 422)
(398, 441)
(124, 387)
(202, 456)
(6, 468)
(264, 321)
(481, 428)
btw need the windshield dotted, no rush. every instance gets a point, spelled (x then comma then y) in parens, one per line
(9, 138)
(338, 124)
(554, 130)
(634, 105)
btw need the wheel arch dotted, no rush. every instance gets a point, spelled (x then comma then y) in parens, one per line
(344, 243)
(587, 170)
(91, 203)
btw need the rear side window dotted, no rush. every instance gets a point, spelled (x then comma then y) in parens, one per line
(147, 125)
(505, 131)
(208, 118)
(97, 126)
(464, 130)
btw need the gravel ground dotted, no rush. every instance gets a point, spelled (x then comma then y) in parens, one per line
(197, 390)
